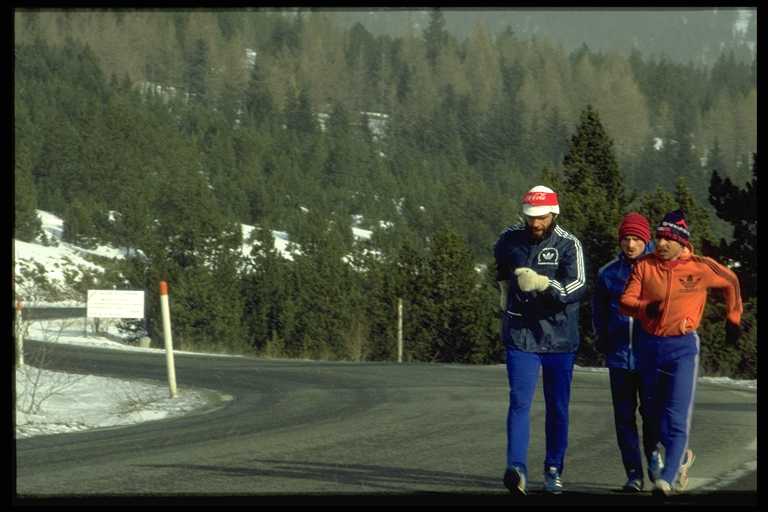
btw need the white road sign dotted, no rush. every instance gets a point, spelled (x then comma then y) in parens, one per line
(115, 304)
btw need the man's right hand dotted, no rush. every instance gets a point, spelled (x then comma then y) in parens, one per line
(653, 309)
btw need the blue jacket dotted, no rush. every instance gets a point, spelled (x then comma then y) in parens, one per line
(615, 332)
(541, 321)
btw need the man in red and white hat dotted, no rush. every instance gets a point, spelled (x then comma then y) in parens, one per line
(541, 274)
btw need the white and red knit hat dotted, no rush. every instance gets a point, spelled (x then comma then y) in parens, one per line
(540, 200)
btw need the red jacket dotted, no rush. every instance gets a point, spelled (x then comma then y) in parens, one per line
(681, 285)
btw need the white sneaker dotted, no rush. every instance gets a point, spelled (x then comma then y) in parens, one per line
(634, 481)
(552, 482)
(681, 483)
(662, 488)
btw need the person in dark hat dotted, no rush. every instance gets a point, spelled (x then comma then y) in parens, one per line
(666, 293)
(542, 278)
(615, 334)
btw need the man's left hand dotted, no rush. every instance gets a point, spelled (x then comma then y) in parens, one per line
(528, 280)
(732, 333)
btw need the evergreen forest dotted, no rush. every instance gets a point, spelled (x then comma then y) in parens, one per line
(165, 130)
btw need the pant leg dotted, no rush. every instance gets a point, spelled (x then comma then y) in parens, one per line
(523, 374)
(624, 390)
(678, 385)
(650, 408)
(557, 373)
(650, 427)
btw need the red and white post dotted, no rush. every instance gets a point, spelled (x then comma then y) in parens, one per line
(168, 338)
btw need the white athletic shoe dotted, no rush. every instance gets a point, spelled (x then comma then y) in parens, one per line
(634, 481)
(661, 488)
(681, 483)
(552, 482)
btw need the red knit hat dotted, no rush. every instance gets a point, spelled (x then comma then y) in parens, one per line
(635, 224)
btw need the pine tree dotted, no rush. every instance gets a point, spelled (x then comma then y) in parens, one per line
(592, 201)
(79, 224)
(444, 317)
(26, 224)
(738, 207)
(197, 71)
(593, 195)
(299, 117)
(265, 294)
(326, 294)
(259, 104)
(435, 36)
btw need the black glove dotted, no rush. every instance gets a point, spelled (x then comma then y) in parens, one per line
(653, 309)
(732, 333)
(603, 343)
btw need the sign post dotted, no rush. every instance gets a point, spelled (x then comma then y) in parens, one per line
(399, 330)
(168, 338)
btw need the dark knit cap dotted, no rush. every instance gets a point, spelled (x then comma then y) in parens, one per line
(674, 227)
(635, 224)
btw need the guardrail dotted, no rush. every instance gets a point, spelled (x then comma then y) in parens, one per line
(51, 313)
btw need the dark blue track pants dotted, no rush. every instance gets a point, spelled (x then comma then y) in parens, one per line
(626, 394)
(669, 368)
(523, 374)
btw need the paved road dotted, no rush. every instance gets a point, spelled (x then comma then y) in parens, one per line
(380, 430)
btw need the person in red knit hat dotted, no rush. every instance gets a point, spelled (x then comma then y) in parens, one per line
(615, 339)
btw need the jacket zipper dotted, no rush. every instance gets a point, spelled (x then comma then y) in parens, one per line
(630, 361)
(666, 299)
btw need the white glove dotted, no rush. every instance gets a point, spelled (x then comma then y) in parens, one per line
(528, 280)
(504, 288)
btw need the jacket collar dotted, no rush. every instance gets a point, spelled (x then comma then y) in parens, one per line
(685, 257)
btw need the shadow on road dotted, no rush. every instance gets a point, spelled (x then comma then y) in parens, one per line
(396, 485)
(367, 478)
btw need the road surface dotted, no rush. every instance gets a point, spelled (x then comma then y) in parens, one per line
(386, 432)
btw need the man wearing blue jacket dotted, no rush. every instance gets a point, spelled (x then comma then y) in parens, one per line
(616, 334)
(541, 274)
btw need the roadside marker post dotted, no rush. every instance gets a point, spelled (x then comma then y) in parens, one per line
(168, 338)
(399, 330)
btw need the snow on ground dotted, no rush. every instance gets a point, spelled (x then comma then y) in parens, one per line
(362, 234)
(49, 402)
(283, 244)
(746, 384)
